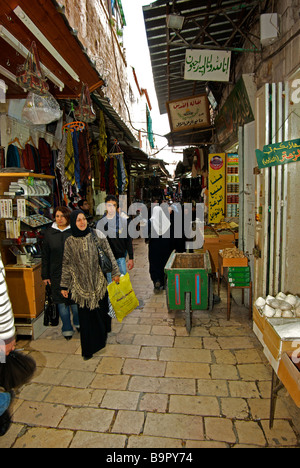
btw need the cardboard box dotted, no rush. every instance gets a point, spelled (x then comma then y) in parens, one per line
(277, 345)
(289, 375)
(231, 262)
(234, 262)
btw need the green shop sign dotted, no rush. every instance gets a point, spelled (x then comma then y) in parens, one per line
(278, 154)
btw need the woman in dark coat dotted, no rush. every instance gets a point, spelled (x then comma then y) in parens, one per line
(52, 256)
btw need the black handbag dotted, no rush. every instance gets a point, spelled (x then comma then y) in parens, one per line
(51, 315)
(104, 261)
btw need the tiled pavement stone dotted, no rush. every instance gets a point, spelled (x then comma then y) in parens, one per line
(153, 386)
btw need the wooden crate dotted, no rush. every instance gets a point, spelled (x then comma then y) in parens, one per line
(259, 319)
(289, 375)
(231, 262)
(273, 341)
(187, 261)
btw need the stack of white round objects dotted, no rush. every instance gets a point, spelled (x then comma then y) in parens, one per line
(283, 305)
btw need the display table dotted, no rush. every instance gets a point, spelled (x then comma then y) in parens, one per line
(236, 274)
(27, 293)
(280, 351)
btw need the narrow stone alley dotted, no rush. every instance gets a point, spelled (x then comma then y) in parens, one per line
(153, 386)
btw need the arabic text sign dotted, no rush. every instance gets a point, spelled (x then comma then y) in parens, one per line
(189, 112)
(207, 65)
(278, 154)
(216, 180)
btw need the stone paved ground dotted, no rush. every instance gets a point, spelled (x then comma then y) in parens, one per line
(154, 386)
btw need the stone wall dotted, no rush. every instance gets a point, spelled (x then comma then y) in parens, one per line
(94, 31)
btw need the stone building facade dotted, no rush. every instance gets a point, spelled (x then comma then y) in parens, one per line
(100, 32)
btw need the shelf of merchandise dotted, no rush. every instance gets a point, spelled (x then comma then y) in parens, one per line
(232, 186)
(25, 285)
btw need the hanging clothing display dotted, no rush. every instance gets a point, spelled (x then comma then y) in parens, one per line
(31, 158)
(76, 159)
(70, 159)
(102, 136)
(61, 163)
(45, 156)
(84, 158)
(102, 174)
(13, 157)
(124, 175)
(2, 158)
(95, 157)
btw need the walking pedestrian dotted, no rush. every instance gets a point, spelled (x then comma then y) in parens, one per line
(7, 344)
(52, 255)
(83, 278)
(160, 246)
(115, 227)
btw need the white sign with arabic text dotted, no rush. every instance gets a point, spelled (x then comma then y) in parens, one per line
(207, 65)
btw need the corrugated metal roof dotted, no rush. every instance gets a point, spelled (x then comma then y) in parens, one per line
(210, 24)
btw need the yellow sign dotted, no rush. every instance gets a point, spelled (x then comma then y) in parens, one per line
(216, 187)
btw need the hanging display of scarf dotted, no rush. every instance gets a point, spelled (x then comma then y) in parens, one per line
(70, 160)
(95, 166)
(111, 182)
(76, 158)
(124, 174)
(84, 158)
(102, 136)
(115, 160)
(102, 174)
(106, 175)
(60, 166)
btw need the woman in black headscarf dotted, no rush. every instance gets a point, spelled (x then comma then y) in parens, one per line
(84, 279)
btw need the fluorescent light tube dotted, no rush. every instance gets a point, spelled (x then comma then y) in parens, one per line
(13, 42)
(8, 74)
(43, 40)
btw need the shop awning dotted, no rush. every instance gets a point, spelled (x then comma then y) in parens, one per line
(63, 57)
(115, 123)
(43, 21)
(213, 25)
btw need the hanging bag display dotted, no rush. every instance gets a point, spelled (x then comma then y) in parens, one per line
(122, 297)
(41, 109)
(85, 111)
(30, 75)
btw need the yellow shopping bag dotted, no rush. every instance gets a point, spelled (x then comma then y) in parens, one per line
(122, 297)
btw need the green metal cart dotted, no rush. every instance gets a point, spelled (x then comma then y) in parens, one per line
(189, 283)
